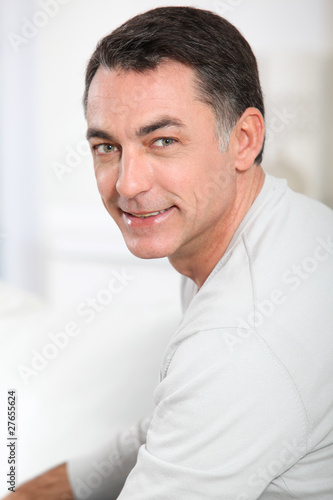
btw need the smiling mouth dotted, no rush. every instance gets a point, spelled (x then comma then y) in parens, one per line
(150, 214)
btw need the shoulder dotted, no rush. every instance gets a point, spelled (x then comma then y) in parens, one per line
(242, 393)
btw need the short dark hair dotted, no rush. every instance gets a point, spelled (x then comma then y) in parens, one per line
(225, 66)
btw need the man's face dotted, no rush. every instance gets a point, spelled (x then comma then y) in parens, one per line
(158, 163)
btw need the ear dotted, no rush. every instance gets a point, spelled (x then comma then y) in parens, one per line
(249, 134)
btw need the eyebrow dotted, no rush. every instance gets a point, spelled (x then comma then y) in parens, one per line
(98, 134)
(141, 132)
(161, 123)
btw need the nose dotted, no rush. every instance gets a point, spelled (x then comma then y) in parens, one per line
(134, 175)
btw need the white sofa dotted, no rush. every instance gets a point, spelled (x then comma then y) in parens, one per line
(77, 382)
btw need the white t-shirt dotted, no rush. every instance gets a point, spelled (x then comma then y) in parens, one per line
(244, 408)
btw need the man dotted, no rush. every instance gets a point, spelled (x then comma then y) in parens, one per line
(244, 409)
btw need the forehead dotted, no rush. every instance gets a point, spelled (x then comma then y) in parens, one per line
(171, 86)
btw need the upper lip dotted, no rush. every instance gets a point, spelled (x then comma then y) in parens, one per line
(146, 212)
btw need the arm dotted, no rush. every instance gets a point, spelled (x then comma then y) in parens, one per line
(52, 485)
(98, 476)
(101, 475)
(225, 425)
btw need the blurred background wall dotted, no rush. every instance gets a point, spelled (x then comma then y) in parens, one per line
(55, 238)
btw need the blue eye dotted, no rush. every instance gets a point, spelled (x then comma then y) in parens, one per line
(105, 148)
(165, 141)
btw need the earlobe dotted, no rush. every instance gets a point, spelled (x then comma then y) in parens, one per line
(249, 134)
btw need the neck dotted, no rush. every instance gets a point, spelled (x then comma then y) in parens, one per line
(200, 263)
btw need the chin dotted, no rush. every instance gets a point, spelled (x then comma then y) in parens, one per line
(148, 251)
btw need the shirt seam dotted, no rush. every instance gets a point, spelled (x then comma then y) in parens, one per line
(283, 371)
(273, 353)
(171, 354)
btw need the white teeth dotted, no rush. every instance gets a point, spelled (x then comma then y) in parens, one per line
(149, 215)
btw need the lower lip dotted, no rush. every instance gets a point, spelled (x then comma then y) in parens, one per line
(147, 222)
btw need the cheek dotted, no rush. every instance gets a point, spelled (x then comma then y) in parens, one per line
(213, 185)
(106, 182)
